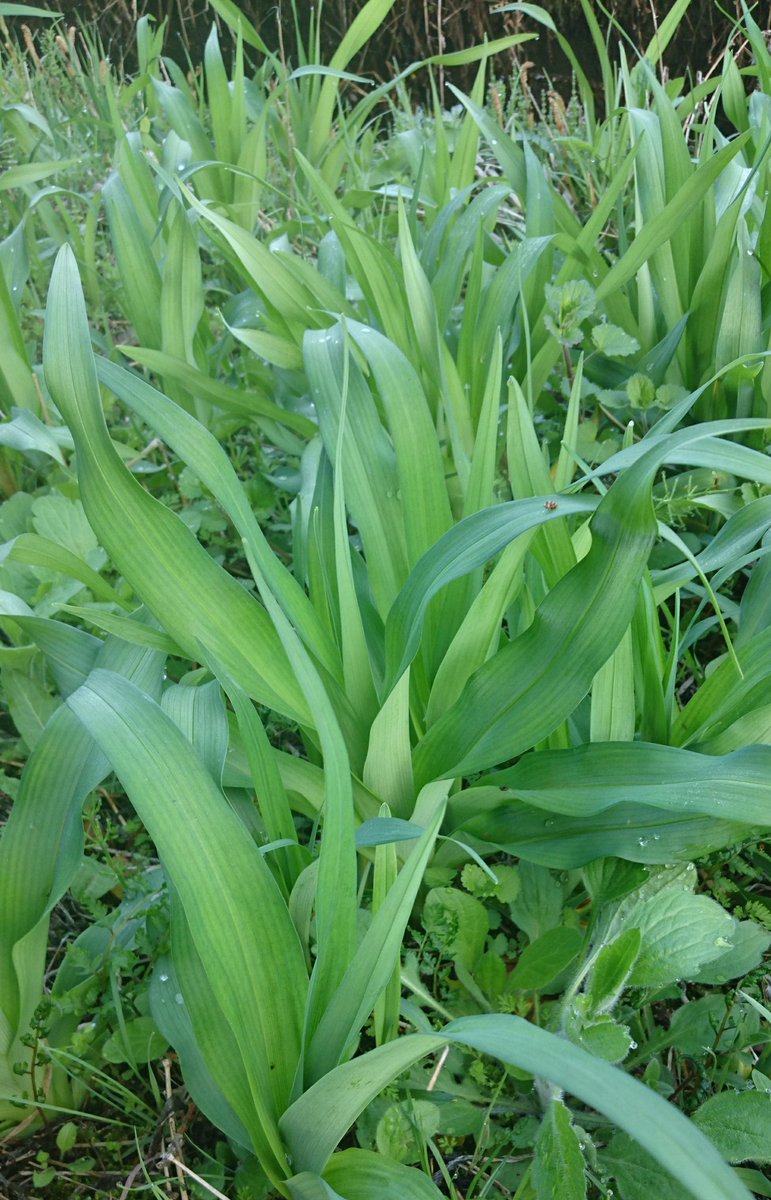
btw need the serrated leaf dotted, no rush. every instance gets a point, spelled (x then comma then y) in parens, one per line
(458, 922)
(612, 967)
(613, 341)
(402, 1128)
(558, 1166)
(636, 1173)
(601, 1036)
(680, 933)
(641, 391)
(739, 1124)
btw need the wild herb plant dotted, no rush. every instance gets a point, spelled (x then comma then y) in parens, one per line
(477, 642)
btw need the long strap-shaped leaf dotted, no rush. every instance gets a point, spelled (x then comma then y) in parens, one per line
(596, 776)
(535, 682)
(493, 822)
(238, 919)
(206, 457)
(370, 971)
(43, 840)
(179, 582)
(469, 545)
(316, 1122)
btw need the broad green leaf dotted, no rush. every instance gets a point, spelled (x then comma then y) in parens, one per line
(370, 475)
(271, 796)
(420, 302)
(137, 266)
(362, 1174)
(307, 1186)
(544, 959)
(138, 1042)
(336, 883)
(295, 291)
(613, 696)
(388, 766)
(174, 1020)
(28, 10)
(70, 652)
(614, 341)
(726, 695)
(357, 669)
(220, 101)
(530, 476)
(418, 457)
(237, 20)
(738, 1124)
(479, 634)
(750, 941)
(218, 1061)
(663, 225)
(182, 298)
(198, 711)
(384, 877)
(382, 831)
(636, 1174)
(679, 933)
(558, 1166)
(404, 1128)
(612, 967)
(124, 627)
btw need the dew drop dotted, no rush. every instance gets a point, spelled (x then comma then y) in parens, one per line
(633, 1044)
(178, 998)
(164, 978)
(642, 841)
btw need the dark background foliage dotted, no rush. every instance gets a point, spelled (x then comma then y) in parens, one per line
(418, 28)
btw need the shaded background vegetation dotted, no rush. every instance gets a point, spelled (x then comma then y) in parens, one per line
(418, 28)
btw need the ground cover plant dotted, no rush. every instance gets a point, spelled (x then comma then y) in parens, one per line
(385, 526)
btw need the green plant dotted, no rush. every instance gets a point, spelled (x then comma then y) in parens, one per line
(471, 645)
(478, 730)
